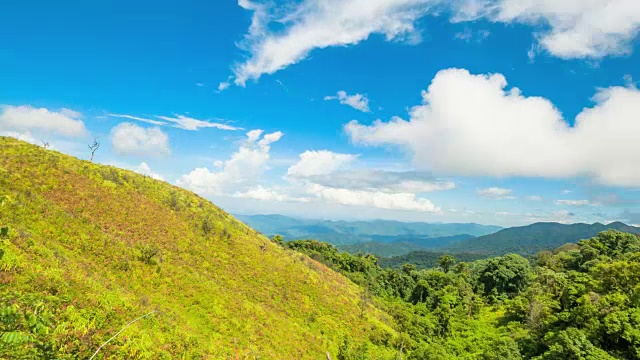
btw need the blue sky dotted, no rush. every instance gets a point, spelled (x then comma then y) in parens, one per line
(490, 111)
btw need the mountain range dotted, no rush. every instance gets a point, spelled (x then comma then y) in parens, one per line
(354, 232)
(386, 238)
(530, 239)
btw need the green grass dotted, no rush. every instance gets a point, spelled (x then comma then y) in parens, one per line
(90, 248)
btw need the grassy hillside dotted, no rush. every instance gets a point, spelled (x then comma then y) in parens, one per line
(90, 248)
(352, 232)
(528, 240)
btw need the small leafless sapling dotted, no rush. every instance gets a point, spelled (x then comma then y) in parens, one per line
(93, 147)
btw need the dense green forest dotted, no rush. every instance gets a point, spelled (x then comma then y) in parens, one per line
(581, 301)
(382, 249)
(403, 245)
(425, 259)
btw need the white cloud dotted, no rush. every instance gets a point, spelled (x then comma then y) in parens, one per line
(131, 139)
(562, 216)
(223, 86)
(496, 193)
(25, 119)
(500, 132)
(566, 191)
(358, 101)
(178, 121)
(328, 176)
(574, 202)
(310, 24)
(573, 28)
(381, 180)
(283, 34)
(240, 173)
(261, 193)
(320, 162)
(373, 199)
(534, 198)
(24, 136)
(144, 169)
(467, 35)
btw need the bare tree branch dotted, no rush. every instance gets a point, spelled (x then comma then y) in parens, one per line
(93, 147)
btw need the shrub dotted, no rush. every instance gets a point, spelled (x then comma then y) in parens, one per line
(147, 254)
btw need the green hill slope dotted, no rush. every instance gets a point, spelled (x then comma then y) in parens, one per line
(528, 240)
(90, 248)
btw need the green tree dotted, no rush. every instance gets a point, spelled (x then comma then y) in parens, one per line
(504, 348)
(572, 344)
(507, 274)
(446, 262)
(278, 239)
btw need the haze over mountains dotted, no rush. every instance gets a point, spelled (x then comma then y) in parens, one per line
(353, 232)
(392, 238)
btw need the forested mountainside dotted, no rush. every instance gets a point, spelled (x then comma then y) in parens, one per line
(86, 248)
(530, 239)
(405, 245)
(426, 259)
(353, 232)
(581, 301)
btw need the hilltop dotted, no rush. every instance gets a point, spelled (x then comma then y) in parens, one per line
(91, 247)
(530, 239)
(354, 232)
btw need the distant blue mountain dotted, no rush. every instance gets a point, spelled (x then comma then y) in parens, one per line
(530, 239)
(353, 232)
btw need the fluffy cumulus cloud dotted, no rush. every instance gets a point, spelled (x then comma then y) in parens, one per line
(178, 121)
(319, 162)
(357, 101)
(571, 28)
(496, 193)
(144, 169)
(131, 139)
(373, 199)
(331, 177)
(238, 175)
(500, 132)
(266, 194)
(23, 121)
(282, 34)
